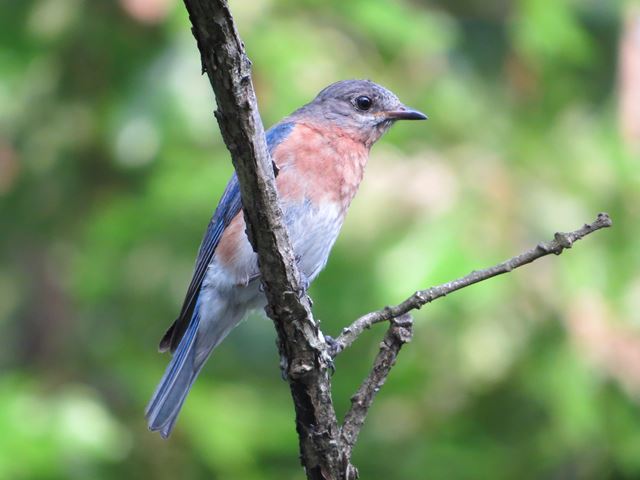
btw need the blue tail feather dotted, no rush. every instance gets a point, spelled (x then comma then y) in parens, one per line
(164, 407)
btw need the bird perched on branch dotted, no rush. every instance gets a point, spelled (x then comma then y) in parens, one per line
(320, 151)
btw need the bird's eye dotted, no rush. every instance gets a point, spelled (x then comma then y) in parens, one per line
(364, 102)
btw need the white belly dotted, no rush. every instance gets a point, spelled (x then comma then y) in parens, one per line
(312, 231)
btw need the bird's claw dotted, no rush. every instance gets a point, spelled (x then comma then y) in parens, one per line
(304, 280)
(331, 365)
(304, 286)
(332, 350)
(334, 346)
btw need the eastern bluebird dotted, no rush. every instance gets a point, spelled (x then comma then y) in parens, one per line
(320, 151)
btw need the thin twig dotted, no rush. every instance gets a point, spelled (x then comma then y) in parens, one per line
(400, 332)
(560, 242)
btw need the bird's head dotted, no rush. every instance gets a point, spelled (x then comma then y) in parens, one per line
(361, 109)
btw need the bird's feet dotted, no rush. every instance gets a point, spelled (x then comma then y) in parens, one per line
(330, 352)
(304, 286)
(334, 346)
(304, 281)
(330, 364)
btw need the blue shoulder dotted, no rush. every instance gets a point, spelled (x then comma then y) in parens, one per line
(277, 134)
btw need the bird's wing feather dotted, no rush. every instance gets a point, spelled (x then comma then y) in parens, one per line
(229, 206)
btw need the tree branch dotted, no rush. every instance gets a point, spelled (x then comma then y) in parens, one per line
(560, 242)
(300, 341)
(400, 332)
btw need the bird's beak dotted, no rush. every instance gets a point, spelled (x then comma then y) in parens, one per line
(405, 113)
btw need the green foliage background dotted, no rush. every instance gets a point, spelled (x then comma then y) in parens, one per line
(111, 164)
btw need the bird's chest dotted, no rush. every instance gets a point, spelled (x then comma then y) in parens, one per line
(321, 168)
(348, 172)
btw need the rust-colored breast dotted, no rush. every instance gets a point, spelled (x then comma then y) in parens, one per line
(320, 164)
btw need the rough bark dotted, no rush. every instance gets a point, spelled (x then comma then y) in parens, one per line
(300, 341)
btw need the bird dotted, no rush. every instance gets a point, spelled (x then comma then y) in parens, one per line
(320, 152)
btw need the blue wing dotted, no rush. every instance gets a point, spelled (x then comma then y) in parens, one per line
(229, 206)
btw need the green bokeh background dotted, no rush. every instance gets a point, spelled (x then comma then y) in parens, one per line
(111, 164)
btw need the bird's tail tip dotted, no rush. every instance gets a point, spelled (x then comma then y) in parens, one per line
(166, 402)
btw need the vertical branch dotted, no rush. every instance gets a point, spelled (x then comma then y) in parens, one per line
(300, 340)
